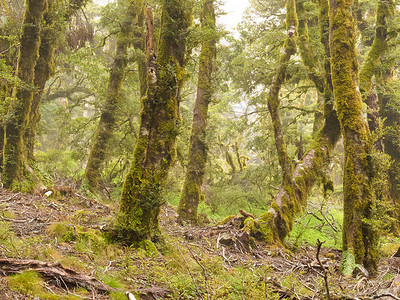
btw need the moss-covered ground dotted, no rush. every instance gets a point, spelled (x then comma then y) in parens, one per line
(207, 262)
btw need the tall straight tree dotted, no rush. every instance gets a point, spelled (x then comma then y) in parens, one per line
(155, 149)
(14, 161)
(191, 193)
(359, 238)
(113, 96)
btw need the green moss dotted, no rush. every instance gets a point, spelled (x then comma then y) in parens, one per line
(28, 283)
(149, 247)
(358, 193)
(226, 220)
(262, 229)
(141, 199)
(348, 263)
(14, 162)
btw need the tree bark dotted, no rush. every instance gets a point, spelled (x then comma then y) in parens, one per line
(359, 238)
(191, 193)
(113, 99)
(14, 156)
(141, 201)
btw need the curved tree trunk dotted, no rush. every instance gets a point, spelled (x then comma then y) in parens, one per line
(14, 160)
(141, 201)
(359, 238)
(191, 193)
(286, 205)
(113, 96)
(274, 225)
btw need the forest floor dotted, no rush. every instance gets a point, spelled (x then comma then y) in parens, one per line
(42, 237)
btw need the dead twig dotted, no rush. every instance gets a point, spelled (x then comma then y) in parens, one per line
(324, 270)
(385, 295)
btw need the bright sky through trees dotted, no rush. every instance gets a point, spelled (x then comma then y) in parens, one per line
(234, 10)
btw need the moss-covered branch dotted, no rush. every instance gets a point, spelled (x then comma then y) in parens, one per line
(384, 12)
(273, 99)
(51, 32)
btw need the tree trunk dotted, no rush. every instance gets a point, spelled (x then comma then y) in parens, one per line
(359, 238)
(141, 201)
(14, 157)
(389, 112)
(274, 225)
(191, 193)
(113, 96)
(284, 207)
(45, 67)
(3, 95)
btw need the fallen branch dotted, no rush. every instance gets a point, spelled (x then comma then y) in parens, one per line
(53, 273)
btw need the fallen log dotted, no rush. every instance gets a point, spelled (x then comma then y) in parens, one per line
(53, 273)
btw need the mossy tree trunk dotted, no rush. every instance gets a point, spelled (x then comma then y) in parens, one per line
(113, 98)
(191, 192)
(273, 100)
(3, 95)
(359, 238)
(45, 66)
(141, 200)
(384, 12)
(274, 225)
(286, 205)
(14, 158)
(384, 110)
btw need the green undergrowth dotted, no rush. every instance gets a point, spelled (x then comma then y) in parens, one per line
(322, 224)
